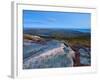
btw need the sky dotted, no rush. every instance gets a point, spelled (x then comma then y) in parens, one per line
(51, 19)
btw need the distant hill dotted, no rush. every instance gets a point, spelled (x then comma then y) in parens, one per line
(67, 33)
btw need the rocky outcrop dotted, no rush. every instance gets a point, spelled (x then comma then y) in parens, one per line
(82, 55)
(50, 55)
(31, 38)
(85, 56)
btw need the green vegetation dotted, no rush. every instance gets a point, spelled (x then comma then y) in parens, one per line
(80, 40)
(85, 41)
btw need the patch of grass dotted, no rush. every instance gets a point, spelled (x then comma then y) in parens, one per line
(85, 41)
(80, 40)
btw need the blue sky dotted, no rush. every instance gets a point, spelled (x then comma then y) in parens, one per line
(48, 19)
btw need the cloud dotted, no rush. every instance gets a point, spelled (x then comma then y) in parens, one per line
(41, 21)
(33, 22)
(37, 22)
(51, 20)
